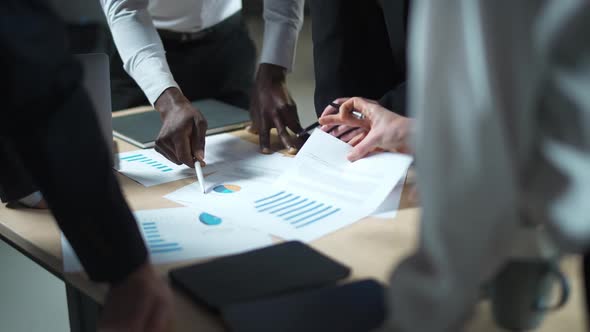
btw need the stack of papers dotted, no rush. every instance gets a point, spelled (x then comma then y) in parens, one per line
(180, 234)
(150, 168)
(318, 193)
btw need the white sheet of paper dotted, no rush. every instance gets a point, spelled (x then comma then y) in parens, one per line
(388, 209)
(321, 192)
(223, 148)
(150, 168)
(234, 184)
(179, 234)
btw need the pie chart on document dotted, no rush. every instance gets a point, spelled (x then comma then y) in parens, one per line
(226, 188)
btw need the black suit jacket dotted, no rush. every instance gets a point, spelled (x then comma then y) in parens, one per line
(360, 50)
(47, 120)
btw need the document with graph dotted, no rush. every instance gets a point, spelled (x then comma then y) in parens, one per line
(319, 191)
(150, 168)
(181, 234)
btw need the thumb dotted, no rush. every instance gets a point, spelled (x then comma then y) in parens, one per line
(363, 148)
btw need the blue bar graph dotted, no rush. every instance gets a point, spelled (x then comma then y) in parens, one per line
(141, 158)
(156, 244)
(294, 209)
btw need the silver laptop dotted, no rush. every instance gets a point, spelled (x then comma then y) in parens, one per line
(97, 82)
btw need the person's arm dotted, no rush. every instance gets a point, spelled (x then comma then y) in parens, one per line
(139, 45)
(48, 118)
(471, 70)
(272, 104)
(182, 137)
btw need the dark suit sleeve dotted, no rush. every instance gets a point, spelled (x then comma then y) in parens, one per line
(395, 100)
(48, 119)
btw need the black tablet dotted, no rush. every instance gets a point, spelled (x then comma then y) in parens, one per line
(354, 307)
(257, 274)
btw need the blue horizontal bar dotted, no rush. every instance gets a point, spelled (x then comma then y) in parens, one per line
(167, 170)
(150, 227)
(312, 215)
(151, 231)
(162, 251)
(160, 167)
(153, 236)
(152, 162)
(137, 159)
(269, 197)
(156, 241)
(289, 206)
(165, 245)
(319, 218)
(148, 223)
(131, 157)
(296, 209)
(304, 212)
(280, 204)
(274, 201)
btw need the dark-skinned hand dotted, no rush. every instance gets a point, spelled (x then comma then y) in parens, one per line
(182, 137)
(273, 107)
(142, 302)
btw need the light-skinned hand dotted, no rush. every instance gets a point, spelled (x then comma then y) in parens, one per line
(384, 129)
(345, 133)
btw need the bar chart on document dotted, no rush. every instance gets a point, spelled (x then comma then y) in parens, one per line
(149, 168)
(295, 210)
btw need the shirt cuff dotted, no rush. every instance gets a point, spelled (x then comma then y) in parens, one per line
(280, 41)
(153, 77)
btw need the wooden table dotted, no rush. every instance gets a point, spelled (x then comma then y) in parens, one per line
(371, 247)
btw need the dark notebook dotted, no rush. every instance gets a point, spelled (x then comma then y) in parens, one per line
(142, 129)
(354, 307)
(273, 270)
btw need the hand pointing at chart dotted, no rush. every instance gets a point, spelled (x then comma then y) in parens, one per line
(384, 129)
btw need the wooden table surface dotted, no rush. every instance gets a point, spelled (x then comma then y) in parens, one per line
(371, 247)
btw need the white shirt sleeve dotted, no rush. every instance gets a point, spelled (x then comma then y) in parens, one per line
(139, 45)
(282, 22)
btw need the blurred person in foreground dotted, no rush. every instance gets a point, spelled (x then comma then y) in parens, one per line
(500, 95)
(47, 123)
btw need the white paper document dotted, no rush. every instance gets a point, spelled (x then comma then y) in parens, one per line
(150, 168)
(324, 191)
(319, 193)
(232, 187)
(179, 234)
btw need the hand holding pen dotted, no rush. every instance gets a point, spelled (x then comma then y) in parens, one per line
(343, 132)
(381, 128)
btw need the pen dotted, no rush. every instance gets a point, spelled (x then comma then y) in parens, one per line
(200, 176)
(354, 113)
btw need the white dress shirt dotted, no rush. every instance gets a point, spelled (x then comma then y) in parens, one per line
(133, 25)
(501, 92)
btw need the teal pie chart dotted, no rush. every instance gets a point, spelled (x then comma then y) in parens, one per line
(209, 219)
(226, 188)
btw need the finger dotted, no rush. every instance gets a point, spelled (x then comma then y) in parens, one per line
(160, 317)
(363, 148)
(198, 140)
(291, 119)
(348, 136)
(283, 134)
(344, 118)
(339, 130)
(366, 107)
(358, 138)
(166, 151)
(182, 145)
(264, 136)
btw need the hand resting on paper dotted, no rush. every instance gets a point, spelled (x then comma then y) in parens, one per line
(382, 129)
